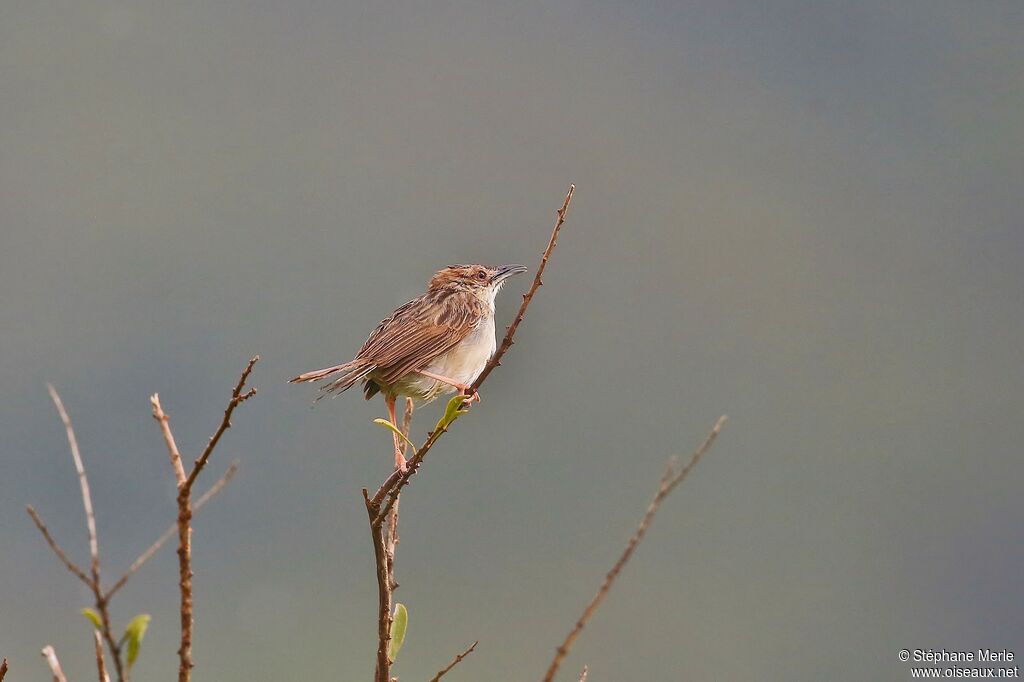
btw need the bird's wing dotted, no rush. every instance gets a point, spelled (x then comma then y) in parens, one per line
(419, 331)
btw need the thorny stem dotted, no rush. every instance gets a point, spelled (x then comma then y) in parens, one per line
(185, 509)
(507, 342)
(385, 593)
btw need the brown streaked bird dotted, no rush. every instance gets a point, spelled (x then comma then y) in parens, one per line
(437, 343)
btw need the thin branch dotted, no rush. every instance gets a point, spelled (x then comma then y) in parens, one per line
(669, 481)
(172, 448)
(507, 342)
(391, 542)
(90, 518)
(101, 666)
(102, 607)
(385, 542)
(393, 485)
(385, 591)
(237, 398)
(172, 530)
(3, 669)
(93, 582)
(185, 512)
(71, 565)
(455, 662)
(51, 659)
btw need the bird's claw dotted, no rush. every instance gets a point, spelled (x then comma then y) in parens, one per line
(468, 400)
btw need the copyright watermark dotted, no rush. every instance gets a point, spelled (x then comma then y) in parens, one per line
(973, 663)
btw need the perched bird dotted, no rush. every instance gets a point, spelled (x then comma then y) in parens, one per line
(436, 343)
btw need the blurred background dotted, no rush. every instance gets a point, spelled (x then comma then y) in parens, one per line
(808, 217)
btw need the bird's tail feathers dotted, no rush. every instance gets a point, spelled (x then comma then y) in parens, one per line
(346, 375)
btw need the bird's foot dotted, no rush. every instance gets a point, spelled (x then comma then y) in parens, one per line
(468, 400)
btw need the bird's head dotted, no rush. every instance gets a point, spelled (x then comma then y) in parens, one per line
(481, 280)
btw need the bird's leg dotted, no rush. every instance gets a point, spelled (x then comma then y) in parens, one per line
(399, 457)
(407, 420)
(465, 388)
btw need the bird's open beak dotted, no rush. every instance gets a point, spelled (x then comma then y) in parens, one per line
(506, 271)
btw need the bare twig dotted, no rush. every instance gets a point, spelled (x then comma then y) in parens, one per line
(71, 565)
(507, 342)
(102, 607)
(455, 662)
(172, 530)
(172, 448)
(90, 518)
(186, 509)
(237, 398)
(92, 581)
(385, 591)
(385, 542)
(393, 485)
(51, 659)
(101, 666)
(3, 669)
(391, 542)
(669, 481)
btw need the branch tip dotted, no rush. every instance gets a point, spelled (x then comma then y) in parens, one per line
(458, 659)
(669, 480)
(50, 655)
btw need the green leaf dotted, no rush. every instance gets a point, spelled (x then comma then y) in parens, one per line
(399, 624)
(456, 407)
(134, 633)
(388, 425)
(94, 617)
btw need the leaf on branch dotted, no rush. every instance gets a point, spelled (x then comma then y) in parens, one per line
(388, 425)
(456, 407)
(134, 633)
(94, 617)
(399, 624)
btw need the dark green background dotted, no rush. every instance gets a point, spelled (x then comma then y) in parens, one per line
(807, 216)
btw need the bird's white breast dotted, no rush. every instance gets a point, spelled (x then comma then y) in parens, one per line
(462, 364)
(465, 362)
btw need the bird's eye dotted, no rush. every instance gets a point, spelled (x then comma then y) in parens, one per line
(481, 275)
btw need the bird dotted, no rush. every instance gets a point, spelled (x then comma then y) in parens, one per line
(435, 344)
